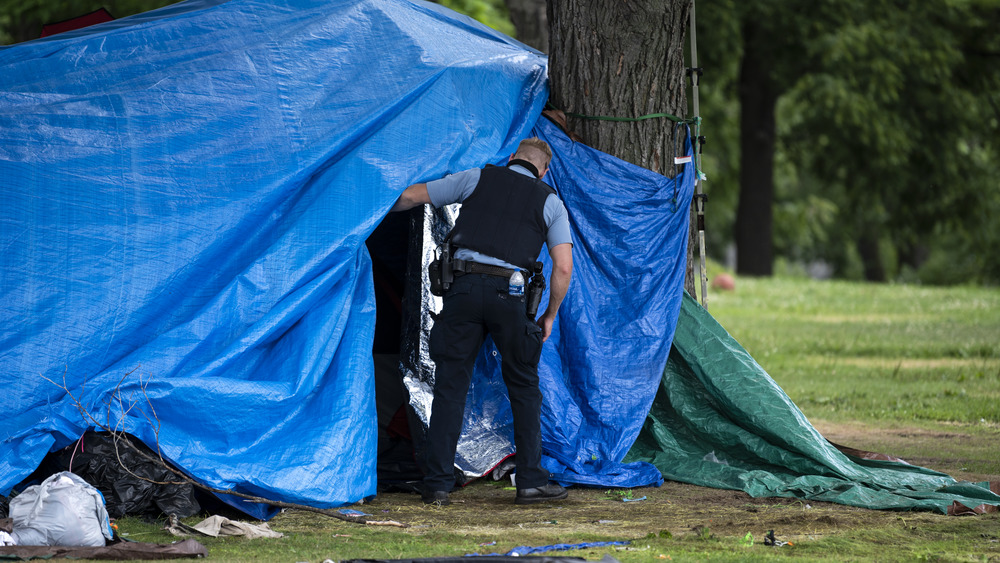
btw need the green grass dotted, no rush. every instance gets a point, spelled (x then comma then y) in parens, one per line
(903, 538)
(848, 351)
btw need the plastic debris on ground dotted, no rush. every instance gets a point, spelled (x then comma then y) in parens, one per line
(64, 510)
(486, 559)
(770, 540)
(216, 526)
(527, 550)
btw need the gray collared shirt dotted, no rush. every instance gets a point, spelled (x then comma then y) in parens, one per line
(455, 188)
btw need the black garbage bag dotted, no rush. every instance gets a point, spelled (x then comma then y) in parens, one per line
(130, 482)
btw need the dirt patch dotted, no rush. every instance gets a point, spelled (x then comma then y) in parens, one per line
(963, 453)
(908, 363)
(484, 511)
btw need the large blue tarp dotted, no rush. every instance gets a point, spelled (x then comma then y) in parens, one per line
(186, 199)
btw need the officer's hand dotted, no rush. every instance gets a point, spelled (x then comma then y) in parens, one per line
(545, 322)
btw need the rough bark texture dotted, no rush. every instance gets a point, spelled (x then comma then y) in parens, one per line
(754, 214)
(530, 19)
(622, 59)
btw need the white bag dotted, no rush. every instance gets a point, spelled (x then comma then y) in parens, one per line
(64, 510)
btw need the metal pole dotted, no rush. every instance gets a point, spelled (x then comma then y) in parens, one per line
(699, 198)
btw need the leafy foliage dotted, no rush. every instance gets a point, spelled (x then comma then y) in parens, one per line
(489, 12)
(887, 127)
(23, 20)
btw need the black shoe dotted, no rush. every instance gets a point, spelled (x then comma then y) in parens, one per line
(544, 493)
(439, 498)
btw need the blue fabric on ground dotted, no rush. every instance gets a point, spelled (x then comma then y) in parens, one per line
(186, 198)
(528, 550)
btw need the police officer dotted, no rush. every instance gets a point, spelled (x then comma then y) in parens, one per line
(507, 214)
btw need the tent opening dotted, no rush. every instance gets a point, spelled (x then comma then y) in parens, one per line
(390, 246)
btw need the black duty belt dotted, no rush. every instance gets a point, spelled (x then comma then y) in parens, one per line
(469, 267)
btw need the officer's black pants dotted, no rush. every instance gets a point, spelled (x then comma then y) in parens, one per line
(474, 306)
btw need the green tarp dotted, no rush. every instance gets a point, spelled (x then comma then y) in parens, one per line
(720, 421)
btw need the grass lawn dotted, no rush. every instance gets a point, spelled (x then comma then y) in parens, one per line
(874, 360)
(847, 351)
(905, 370)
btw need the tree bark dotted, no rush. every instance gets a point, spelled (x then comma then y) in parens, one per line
(755, 213)
(530, 19)
(622, 59)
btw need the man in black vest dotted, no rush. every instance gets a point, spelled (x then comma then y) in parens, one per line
(507, 214)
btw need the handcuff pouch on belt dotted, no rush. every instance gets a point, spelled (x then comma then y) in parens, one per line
(441, 272)
(535, 288)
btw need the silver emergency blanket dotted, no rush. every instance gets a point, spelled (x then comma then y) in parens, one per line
(487, 435)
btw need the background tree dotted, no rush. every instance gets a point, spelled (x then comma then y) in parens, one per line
(866, 128)
(902, 103)
(22, 20)
(531, 20)
(763, 40)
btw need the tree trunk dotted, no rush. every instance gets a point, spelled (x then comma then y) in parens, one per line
(622, 59)
(26, 28)
(914, 254)
(871, 255)
(530, 19)
(755, 213)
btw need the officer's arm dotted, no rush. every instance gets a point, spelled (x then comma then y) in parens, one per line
(411, 197)
(562, 271)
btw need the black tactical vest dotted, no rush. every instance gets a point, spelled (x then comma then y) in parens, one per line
(504, 217)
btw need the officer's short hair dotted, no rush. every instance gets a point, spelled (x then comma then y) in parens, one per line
(535, 150)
